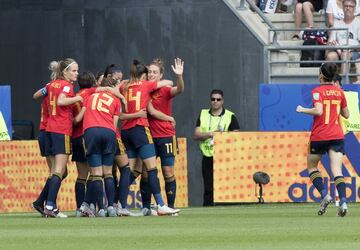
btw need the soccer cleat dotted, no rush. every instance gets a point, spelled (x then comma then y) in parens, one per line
(78, 213)
(86, 211)
(93, 208)
(111, 211)
(124, 212)
(165, 210)
(101, 213)
(342, 210)
(324, 204)
(38, 207)
(60, 214)
(145, 211)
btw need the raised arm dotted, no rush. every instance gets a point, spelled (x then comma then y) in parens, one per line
(178, 70)
(316, 110)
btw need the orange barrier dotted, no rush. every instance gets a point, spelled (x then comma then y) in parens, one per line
(23, 173)
(238, 155)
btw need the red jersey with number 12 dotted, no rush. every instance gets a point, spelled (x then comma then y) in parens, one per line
(161, 100)
(84, 93)
(60, 117)
(137, 95)
(100, 111)
(327, 126)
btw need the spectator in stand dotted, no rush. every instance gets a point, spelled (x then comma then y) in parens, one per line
(334, 11)
(342, 37)
(307, 7)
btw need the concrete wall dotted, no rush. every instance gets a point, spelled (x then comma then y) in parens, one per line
(219, 52)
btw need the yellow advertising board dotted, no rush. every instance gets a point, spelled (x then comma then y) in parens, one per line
(23, 173)
(282, 155)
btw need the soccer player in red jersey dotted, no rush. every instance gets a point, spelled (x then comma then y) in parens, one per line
(135, 132)
(327, 135)
(59, 126)
(163, 131)
(86, 81)
(101, 115)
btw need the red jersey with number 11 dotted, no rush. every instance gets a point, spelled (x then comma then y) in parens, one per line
(327, 126)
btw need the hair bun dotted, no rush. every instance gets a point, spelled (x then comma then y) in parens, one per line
(53, 65)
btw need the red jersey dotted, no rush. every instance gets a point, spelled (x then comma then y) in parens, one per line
(327, 126)
(60, 117)
(84, 93)
(100, 111)
(161, 100)
(137, 96)
(44, 112)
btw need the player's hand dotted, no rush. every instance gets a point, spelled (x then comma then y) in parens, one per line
(299, 109)
(142, 113)
(179, 66)
(172, 120)
(80, 98)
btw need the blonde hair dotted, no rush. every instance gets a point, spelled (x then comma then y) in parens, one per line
(159, 63)
(63, 65)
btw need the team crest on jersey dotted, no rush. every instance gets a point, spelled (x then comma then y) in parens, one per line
(66, 89)
(316, 96)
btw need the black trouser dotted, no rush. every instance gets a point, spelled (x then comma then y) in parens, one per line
(208, 177)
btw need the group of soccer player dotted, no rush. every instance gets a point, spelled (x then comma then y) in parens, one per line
(86, 126)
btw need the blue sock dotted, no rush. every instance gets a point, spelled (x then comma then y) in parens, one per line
(89, 197)
(318, 183)
(124, 184)
(145, 191)
(341, 188)
(44, 192)
(98, 189)
(79, 191)
(170, 189)
(54, 187)
(109, 189)
(155, 186)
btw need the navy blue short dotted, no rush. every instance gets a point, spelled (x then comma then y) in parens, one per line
(120, 148)
(78, 149)
(42, 143)
(138, 142)
(99, 141)
(56, 144)
(166, 149)
(322, 147)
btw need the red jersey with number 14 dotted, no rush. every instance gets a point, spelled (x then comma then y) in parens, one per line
(60, 117)
(161, 100)
(137, 95)
(100, 111)
(327, 126)
(84, 93)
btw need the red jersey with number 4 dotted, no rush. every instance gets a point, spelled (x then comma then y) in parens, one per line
(84, 93)
(161, 100)
(137, 96)
(100, 111)
(327, 126)
(60, 117)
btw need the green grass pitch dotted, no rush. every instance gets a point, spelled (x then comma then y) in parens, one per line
(267, 226)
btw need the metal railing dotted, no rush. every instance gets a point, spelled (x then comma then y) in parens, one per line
(274, 46)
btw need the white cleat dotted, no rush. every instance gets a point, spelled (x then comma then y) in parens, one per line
(148, 212)
(60, 215)
(324, 204)
(124, 212)
(111, 211)
(78, 213)
(165, 210)
(342, 210)
(101, 213)
(86, 211)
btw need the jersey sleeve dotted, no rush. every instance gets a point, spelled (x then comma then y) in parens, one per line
(151, 86)
(316, 96)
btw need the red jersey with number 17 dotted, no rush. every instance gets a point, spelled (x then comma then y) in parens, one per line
(327, 126)
(137, 95)
(100, 111)
(161, 100)
(84, 93)
(60, 117)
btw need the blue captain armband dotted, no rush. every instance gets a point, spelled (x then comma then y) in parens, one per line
(44, 91)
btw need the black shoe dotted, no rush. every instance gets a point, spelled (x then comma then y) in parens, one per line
(38, 207)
